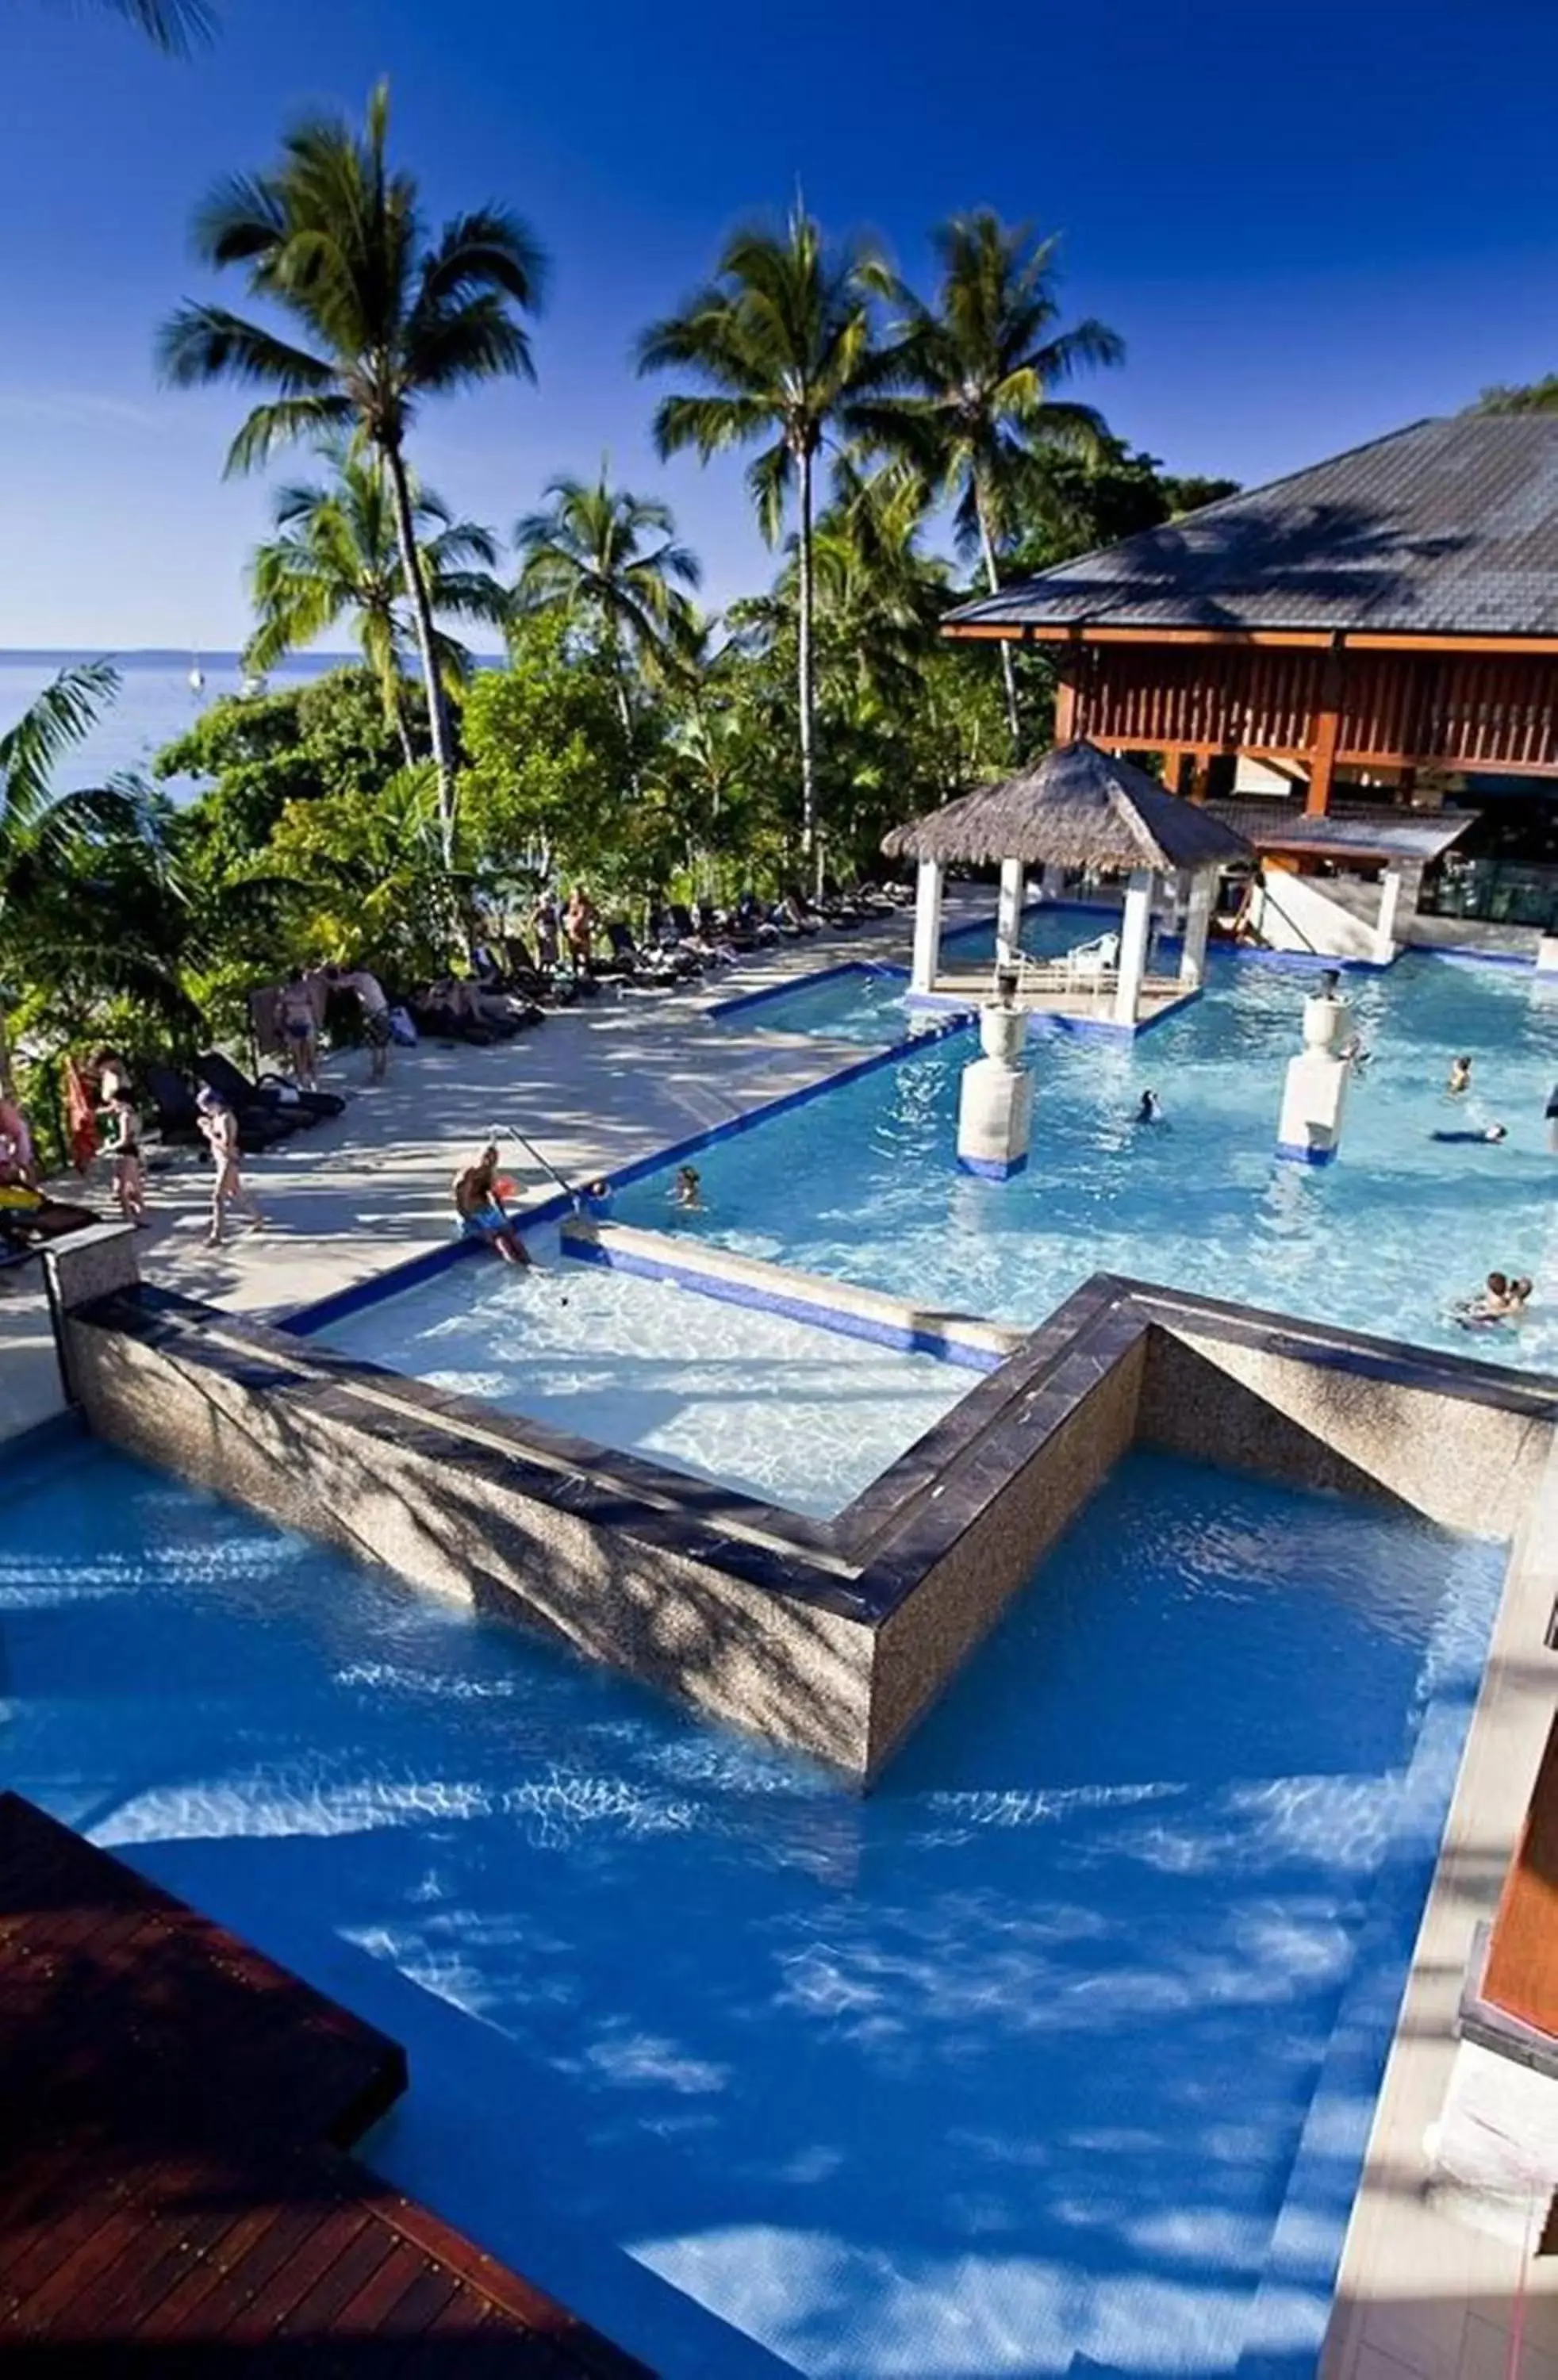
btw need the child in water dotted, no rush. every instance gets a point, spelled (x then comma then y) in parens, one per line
(688, 1190)
(1458, 1081)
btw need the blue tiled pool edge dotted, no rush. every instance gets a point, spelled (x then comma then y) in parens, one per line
(322, 1312)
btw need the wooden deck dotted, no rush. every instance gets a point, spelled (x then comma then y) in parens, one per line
(175, 2198)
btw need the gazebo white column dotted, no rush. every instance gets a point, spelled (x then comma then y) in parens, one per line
(1135, 927)
(927, 927)
(1008, 914)
(1197, 925)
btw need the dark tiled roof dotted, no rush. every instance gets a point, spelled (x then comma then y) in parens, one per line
(1446, 529)
(1077, 808)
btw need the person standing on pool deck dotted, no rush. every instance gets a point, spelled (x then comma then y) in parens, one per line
(482, 1213)
(220, 1126)
(295, 1015)
(370, 996)
(121, 1144)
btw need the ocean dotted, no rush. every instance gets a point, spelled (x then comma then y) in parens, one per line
(155, 702)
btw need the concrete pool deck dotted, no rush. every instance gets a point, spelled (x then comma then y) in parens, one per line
(595, 1086)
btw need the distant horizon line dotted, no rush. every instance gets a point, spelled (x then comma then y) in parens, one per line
(186, 656)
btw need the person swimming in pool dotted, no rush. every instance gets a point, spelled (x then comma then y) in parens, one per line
(482, 1213)
(686, 1191)
(1491, 1304)
(1483, 1131)
(1551, 1112)
(1458, 1080)
(1150, 1110)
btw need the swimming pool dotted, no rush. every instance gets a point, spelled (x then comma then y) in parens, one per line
(777, 1409)
(1018, 2059)
(856, 1003)
(862, 1183)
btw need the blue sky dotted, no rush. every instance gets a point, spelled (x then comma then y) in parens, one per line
(1310, 225)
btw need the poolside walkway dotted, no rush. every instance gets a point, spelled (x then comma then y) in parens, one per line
(595, 1087)
(174, 2196)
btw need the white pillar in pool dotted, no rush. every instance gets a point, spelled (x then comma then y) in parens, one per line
(1384, 924)
(1008, 914)
(995, 1099)
(1135, 927)
(1197, 925)
(1314, 1094)
(927, 927)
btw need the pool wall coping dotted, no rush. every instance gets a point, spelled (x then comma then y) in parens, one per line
(913, 1570)
(824, 1302)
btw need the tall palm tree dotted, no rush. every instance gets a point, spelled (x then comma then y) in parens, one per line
(66, 860)
(336, 555)
(587, 558)
(780, 342)
(335, 239)
(980, 365)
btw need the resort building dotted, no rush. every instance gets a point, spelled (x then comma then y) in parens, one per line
(1378, 631)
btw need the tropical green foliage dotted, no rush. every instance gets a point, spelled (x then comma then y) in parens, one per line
(1531, 396)
(336, 556)
(779, 347)
(380, 319)
(92, 909)
(899, 447)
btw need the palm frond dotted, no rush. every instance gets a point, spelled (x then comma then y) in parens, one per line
(177, 26)
(55, 721)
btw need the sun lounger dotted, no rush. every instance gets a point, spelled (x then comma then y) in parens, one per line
(270, 1091)
(176, 1117)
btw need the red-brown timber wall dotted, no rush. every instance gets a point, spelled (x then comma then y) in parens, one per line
(1433, 710)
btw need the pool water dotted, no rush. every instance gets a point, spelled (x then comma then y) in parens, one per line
(777, 1409)
(867, 1003)
(862, 1183)
(1009, 2062)
(863, 1006)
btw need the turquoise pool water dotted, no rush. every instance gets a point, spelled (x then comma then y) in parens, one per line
(1015, 2061)
(867, 1003)
(775, 1409)
(863, 1182)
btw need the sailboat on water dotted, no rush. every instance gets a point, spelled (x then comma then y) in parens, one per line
(197, 674)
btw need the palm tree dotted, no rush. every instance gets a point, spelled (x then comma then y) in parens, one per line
(780, 341)
(177, 26)
(337, 554)
(336, 240)
(72, 863)
(980, 365)
(586, 559)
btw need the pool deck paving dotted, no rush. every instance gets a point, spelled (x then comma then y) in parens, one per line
(595, 1088)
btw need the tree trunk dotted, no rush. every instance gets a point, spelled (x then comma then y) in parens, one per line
(7, 1079)
(811, 841)
(624, 708)
(421, 613)
(1009, 675)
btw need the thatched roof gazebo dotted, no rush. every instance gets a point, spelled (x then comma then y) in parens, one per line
(1077, 808)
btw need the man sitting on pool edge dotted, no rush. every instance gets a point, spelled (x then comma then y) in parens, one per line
(482, 1215)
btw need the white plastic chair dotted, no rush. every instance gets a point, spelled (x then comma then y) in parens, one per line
(1090, 962)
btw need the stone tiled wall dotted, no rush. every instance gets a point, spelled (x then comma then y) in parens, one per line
(446, 1514)
(1413, 1432)
(1088, 1418)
